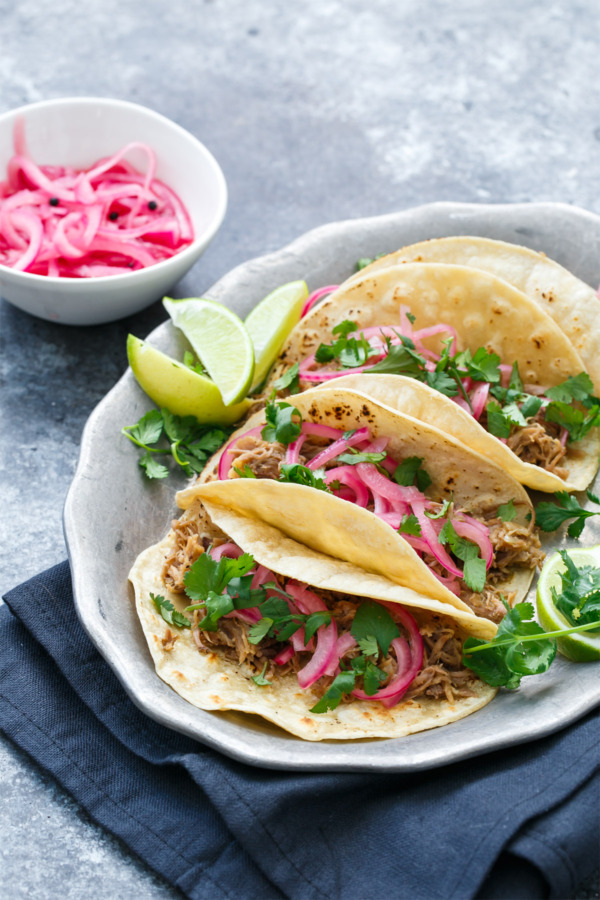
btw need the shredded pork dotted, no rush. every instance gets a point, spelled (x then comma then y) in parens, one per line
(538, 443)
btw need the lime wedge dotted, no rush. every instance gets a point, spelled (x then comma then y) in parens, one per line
(583, 647)
(169, 383)
(271, 321)
(221, 341)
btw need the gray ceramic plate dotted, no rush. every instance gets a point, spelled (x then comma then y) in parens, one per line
(112, 513)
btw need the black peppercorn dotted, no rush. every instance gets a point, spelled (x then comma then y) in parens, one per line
(152, 204)
(113, 216)
(53, 201)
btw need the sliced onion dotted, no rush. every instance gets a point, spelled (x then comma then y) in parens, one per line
(348, 476)
(429, 535)
(338, 447)
(316, 296)
(476, 532)
(284, 656)
(308, 602)
(229, 549)
(479, 398)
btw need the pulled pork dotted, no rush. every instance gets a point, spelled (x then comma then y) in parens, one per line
(261, 457)
(538, 443)
(192, 536)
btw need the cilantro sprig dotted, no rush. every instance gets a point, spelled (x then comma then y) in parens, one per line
(289, 380)
(521, 647)
(283, 423)
(296, 473)
(161, 433)
(169, 613)
(410, 472)
(550, 516)
(350, 352)
(579, 596)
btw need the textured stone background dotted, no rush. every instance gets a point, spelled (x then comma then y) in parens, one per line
(317, 111)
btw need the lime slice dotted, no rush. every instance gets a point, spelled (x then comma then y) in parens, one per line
(169, 383)
(582, 647)
(271, 321)
(221, 341)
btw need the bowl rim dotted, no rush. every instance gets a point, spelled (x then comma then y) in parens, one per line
(188, 253)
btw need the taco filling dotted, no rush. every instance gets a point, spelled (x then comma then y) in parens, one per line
(343, 647)
(468, 553)
(536, 422)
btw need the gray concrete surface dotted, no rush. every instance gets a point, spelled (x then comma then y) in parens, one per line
(320, 111)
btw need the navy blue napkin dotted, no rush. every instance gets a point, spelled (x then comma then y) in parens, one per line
(518, 823)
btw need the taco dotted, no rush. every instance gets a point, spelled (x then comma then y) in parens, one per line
(472, 338)
(394, 495)
(347, 655)
(572, 303)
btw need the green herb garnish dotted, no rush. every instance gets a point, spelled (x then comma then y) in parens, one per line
(284, 423)
(290, 380)
(299, 474)
(550, 516)
(520, 647)
(169, 613)
(189, 443)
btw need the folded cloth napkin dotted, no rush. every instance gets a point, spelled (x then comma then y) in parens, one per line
(516, 823)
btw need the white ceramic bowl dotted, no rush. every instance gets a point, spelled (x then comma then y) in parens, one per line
(77, 131)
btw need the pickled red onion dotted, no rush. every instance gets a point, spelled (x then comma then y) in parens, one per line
(83, 224)
(316, 296)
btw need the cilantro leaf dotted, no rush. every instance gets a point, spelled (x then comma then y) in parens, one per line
(410, 525)
(207, 575)
(342, 684)
(531, 406)
(169, 613)
(514, 382)
(474, 573)
(550, 516)
(152, 467)
(259, 630)
(497, 423)
(284, 423)
(442, 382)
(372, 678)
(579, 596)
(148, 430)
(578, 387)
(409, 471)
(190, 443)
(350, 352)
(484, 366)
(192, 363)
(365, 261)
(369, 646)
(313, 622)
(401, 360)
(520, 647)
(246, 472)
(442, 512)
(507, 511)
(373, 620)
(575, 421)
(298, 474)
(290, 379)
(260, 679)
(354, 457)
